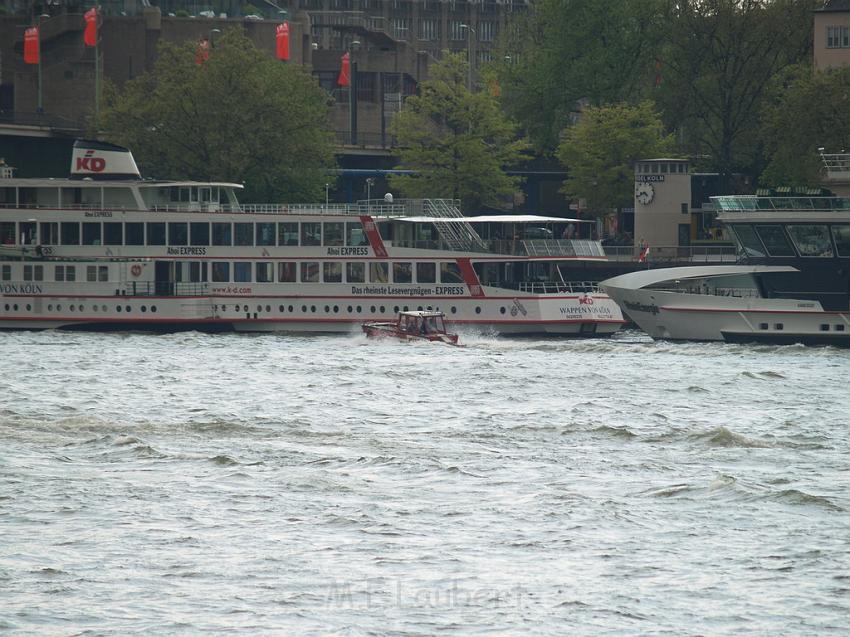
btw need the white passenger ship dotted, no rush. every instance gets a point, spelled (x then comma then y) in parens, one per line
(108, 250)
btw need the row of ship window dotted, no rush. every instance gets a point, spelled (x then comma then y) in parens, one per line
(810, 240)
(824, 327)
(71, 307)
(183, 233)
(265, 272)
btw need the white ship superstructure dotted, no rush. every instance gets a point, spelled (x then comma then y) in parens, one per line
(108, 250)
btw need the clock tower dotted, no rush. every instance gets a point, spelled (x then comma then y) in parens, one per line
(662, 203)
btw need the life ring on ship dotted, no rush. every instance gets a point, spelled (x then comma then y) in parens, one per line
(136, 270)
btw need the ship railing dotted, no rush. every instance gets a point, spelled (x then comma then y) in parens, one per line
(754, 203)
(742, 293)
(563, 248)
(560, 287)
(669, 254)
(556, 248)
(165, 288)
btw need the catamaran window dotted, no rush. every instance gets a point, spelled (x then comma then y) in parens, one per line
(264, 272)
(265, 234)
(199, 234)
(33, 273)
(841, 234)
(134, 234)
(811, 240)
(334, 233)
(286, 272)
(156, 233)
(222, 234)
(378, 272)
(310, 272)
(178, 233)
(287, 234)
(6, 273)
(7, 233)
(242, 271)
(775, 241)
(748, 241)
(113, 234)
(426, 272)
(450, 273)
(402, 273)
(243, 233)
(333, 272)
(197, 271)
(355, 272)
(221, 271)
(311, 234)
(50, 233)
(354, 234)
(91, 234)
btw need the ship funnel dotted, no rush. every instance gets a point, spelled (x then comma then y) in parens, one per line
(99, 160)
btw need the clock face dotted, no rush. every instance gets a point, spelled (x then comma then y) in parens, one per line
(644, 192)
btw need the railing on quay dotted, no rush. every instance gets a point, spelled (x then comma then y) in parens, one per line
(668, 254)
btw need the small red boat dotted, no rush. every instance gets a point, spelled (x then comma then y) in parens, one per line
(416, 325)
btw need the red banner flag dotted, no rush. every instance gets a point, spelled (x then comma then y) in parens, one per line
(90, 34)
(344, 78)
(203, 52)
(31, 52)
(282, 34)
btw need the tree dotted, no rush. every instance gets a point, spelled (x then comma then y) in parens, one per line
(719, 63)
(809, 112)
(568, 51)
(457, 143)
(238, 116)
(600, 150)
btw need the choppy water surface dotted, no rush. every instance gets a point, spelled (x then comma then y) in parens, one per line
(332, 485)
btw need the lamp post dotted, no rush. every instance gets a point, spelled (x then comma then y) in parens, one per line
(40, 106)
(470, 50)
(352, 94)
(327, 194)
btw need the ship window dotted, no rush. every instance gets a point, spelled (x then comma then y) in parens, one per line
(242, 271)
(286, 272)
(70, 231)
(222, 234)
(199, 234)
(287, 234)
(450, 273)
(841, 235)
(310, 271)
(762, 326)
(71, 273)
(197, 271)
(243, 234)
(811, 240)
(7, 233)
(178, 233)
(27, 273)
(334, 233)
(311, 234)
(134, 234)
(378, 272)
(91, 273)
(264, 272)
(839, 327)
(91, 233)
(113, 233)
(402, 273)
(333, 272)
(156, 234)
(59, 273)
(426, 272)
(779, 326)
(775, 241)
(220, 272)
(355, 272)
(49, 233)
(265, 234)
(103, 273)
(824, 327)
(6, 273)
(355, 235)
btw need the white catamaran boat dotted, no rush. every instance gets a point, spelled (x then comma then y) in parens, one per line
(108, 250)
(792, 284)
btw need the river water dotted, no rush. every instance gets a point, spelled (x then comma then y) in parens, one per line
(273, 484)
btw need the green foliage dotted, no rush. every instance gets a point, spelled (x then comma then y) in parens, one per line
(566, 51)
(810, 112)
(457, 142)
(599, 152)
(181, 13)
(241, 116)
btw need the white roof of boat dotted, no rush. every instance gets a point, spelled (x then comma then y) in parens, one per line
(65, 182)
(642, 278)
(497, 219)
